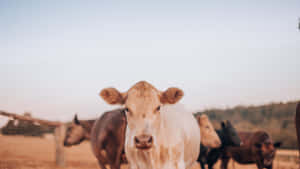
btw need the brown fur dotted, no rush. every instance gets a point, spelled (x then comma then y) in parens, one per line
(108, 137)
(257, 148)
(78, 131)
(297, 121)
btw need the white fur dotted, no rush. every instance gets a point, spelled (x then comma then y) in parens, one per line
(178, 131)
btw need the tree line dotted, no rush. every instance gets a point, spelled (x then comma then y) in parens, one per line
(275, 118)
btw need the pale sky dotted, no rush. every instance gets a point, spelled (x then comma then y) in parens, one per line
(56, 56)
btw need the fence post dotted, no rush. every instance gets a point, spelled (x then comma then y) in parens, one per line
(59, 134)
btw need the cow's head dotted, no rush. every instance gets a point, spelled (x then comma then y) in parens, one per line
(209, 137)
(268, 150)
(75, 133)
(142, 104)
(230, 134)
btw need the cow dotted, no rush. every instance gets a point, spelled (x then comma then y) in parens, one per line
(78, 131)
(209, 137)
(155, 138)
(258, 148)
(297, 124)
(108, 137)
(229, 137)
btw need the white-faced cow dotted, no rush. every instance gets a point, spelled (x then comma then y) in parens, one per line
(156, 139)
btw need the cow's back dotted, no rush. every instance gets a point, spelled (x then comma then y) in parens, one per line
(182, 131)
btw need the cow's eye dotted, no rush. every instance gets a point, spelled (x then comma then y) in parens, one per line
(127, 111)
(158, 108)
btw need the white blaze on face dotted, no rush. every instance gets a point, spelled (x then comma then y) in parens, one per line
(142, 112)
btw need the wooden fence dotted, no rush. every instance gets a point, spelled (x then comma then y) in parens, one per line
(59, 133)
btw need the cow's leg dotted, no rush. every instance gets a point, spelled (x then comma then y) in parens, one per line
(102, 166)
(202, 164)
(224, 163)
(210, 166)
(213, 157)
(117, 162)
(212, 161)
(259, 165)
(270, 166)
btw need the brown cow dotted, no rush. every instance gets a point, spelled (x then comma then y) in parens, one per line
(78, 131)
(258, 148)
(108, 137)
(297, 121)
(156, 138)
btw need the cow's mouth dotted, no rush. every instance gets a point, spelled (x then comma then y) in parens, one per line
(143, 146)
(268, 162)
(66, 144)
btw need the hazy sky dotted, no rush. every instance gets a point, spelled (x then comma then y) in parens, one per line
(56, 56)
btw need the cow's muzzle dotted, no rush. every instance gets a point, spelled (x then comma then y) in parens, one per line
(143, 141)
(66, 144)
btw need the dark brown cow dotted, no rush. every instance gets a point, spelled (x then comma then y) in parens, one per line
(297, 121)
(258, 148)
(108, 137)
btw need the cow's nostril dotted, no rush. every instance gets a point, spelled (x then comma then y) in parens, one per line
(150, 139)
(136, 140)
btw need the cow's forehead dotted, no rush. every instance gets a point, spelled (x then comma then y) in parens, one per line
(137, 102)
(142, 96)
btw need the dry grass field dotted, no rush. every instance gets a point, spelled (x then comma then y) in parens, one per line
(17, 152)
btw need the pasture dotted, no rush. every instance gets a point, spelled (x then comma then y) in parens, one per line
(18, 152)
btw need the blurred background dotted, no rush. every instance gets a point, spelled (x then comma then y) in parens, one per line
(236, 60)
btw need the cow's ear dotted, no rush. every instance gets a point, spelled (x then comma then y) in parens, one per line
(277, 144)
(171, 95)
(223, 125)
(198, 119)
(112, 96)
(75, 120)
(257, 145)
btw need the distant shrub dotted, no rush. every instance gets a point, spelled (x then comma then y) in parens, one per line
(275, 118)
(20, 127)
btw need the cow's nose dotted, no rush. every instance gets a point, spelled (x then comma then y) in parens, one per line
(66, 144)
(272, 151)
(143, 141)
(218, 143)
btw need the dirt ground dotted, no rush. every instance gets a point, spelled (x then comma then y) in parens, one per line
(17, 152)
